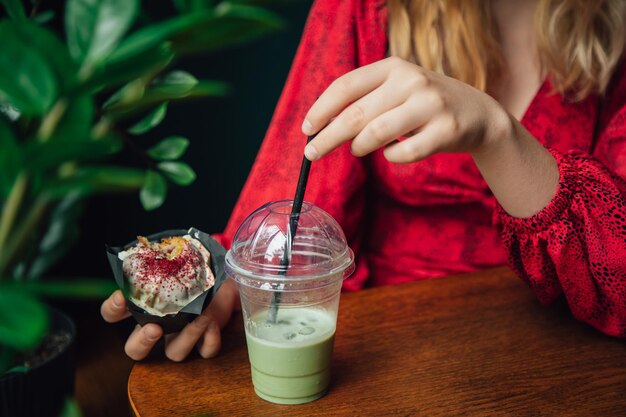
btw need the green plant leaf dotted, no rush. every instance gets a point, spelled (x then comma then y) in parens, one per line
(203, 88)
(96, 179)
(153, 192)
(19, 369)
(182, 6)
(156, 96)
(23, 319)
(70, 408)
(10, 112)
(81, 288)
(26, 80)
(169, 148)
(189, 6)
(44, 17)
(51, 49)
(94, 27)
(150, 121)
(77, 121)
(246, 11)
(178, 172)
(222, 26)
(175, 82)
(155, 35)
(10, 158)
(111, 178)
(118, 70)
(14, 9)
(60, 235)
(130, 93)
(233, 24)
(40, 156)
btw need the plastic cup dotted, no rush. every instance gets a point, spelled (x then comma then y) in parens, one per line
(290, 356)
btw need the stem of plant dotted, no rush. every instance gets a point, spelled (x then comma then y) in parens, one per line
(101, 128)
(140, 152)
(9, 213)
(23, 232)
(51, 120)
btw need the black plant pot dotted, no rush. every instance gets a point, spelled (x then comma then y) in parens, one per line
(42, 390)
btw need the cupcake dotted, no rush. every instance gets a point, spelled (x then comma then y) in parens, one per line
(163, 277)
(169, 277)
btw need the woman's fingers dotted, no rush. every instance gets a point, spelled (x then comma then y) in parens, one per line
(343, 91)
(204, 330)
(351, 121)
(113, 309)
(211, 341)
(221, 308)
(178, 347)
(433, 138)
(225, 302)
(142, 340)
(397, 122)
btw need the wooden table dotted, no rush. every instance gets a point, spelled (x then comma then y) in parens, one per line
(476, 344)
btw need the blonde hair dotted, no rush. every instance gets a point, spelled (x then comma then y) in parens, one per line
(580, 42)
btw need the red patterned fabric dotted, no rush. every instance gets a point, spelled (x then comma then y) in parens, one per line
(436, 217)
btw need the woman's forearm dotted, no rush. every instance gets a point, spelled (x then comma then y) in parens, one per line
(520, 172)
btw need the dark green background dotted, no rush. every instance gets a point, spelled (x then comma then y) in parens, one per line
(225, 135)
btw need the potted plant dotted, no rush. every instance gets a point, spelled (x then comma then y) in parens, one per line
(67, 108)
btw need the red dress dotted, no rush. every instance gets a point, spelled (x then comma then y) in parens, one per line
(438, 217)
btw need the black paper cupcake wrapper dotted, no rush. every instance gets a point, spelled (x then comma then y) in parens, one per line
(172, 323)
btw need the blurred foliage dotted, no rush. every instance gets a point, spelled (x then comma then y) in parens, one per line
(67, 106)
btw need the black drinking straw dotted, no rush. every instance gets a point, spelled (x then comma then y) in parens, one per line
(296, 208)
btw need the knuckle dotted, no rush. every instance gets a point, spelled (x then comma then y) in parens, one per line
(341, 86)
(395, 61)
(413, 151)
(353, 116)
(378, 130)
(437, 102)
(450, 126)
(200, 323)
(213, 329)
(417, 80)
(395, 153)
(356, 149)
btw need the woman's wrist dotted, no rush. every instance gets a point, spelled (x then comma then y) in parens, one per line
(498, 130)
(520, 172)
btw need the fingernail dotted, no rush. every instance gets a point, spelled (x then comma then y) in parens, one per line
(118, 299)
(311, 153)
(307, 127)
(152, 334)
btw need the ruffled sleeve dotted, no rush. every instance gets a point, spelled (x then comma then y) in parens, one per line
(327, 50)
(576, 245)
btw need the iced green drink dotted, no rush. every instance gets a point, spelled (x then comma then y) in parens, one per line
(289, 308)
(290, 359)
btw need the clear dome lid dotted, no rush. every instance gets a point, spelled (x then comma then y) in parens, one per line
(261, 246)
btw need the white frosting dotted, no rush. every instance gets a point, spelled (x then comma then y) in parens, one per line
(165, 277)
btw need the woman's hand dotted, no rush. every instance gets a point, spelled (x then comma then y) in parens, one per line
(203, 332)
(375, 104)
